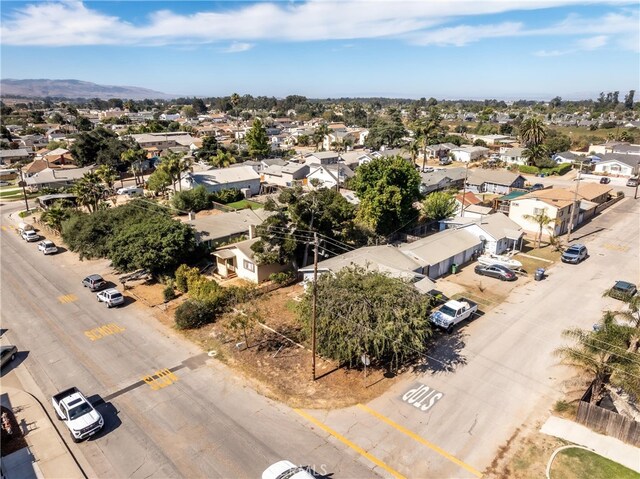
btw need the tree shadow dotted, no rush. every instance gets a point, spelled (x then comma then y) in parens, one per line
(443, 353)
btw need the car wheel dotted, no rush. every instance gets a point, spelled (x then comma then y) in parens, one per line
(13, 356)
(75, 439)
(450, 329)
(108, 305)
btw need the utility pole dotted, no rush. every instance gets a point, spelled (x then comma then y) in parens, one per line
(635, 195)
(24, 191)
(573, 205)
(315, 300)
(464, 189)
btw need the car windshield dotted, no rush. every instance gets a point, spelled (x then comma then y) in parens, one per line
(448, 311)
(622, 286)
(573, 250)
(80, 410)
(116, 296)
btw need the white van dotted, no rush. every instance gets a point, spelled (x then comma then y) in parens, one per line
(130, 191)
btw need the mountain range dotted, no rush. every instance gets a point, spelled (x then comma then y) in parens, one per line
(73, 89)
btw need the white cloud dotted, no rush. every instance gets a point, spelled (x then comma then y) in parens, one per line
(437, 22)
(237, 47)
(592, 43)
(552, 53)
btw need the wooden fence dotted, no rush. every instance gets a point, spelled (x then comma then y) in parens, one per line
(607, 422)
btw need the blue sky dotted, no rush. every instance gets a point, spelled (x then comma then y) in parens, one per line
(478, 49)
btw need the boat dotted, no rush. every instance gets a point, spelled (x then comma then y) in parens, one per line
(490, 259)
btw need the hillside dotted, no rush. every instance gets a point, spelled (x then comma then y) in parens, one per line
(74, 89)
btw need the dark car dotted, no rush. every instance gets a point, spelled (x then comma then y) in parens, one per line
(496, 271)
(623, 290)
(574, 254)
(7, 354)
(605, 180)
(632, 182)
(537, 186)
(94, 282)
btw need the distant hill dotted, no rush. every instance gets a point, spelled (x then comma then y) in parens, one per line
(75, 89)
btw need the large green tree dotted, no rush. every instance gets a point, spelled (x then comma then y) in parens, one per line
(89, 191)
(386, 130)
(439, 205)
(257, 140)
(387, 188)
(365, 312)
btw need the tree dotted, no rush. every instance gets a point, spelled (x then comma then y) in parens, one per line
(157, 243)
(365, 312)
(222, 159)
(556, 142)
(387, 188)
(133, 159)
(388, 131)
(108, 175)
(199, 106)
(89, 191)
(537, 155)
(189, 112)
(426, 131)
(319, 133)
(532, 132)
(56, 214)
(209, 148)
(542, 220)
(628, 99)
(159, 181)
(83, 124)
(257, 140)
(439, 205)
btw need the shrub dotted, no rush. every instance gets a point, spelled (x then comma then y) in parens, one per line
(203, 289)
(531, 170)
(227, 196)
(185, 275)
(194, 314)
(197, 199)
(169, 293)
(281, 278)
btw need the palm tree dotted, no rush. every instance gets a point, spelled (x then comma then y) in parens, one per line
(413, 147)
(89, 191)
(537, 155)
(173, 165)
(542, 220)
(107, 174)
(56, 214)
(319, 133)
(222, 159)
(532, 132)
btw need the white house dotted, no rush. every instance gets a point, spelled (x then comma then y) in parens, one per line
(498, 233)
(328, 176)
(617, 164)
(219, 179)
(238, 260)
(554, 202)
(513, 156)
(466, 154)
(285, 175)
(169, 116)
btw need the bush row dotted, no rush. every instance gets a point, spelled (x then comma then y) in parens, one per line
(199, 198)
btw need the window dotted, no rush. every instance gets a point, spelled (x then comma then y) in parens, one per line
(248, 265)
(539, 211)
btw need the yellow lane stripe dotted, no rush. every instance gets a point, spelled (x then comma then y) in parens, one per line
(67, 298)
(4, 228)
(353, 446)
(415, 437)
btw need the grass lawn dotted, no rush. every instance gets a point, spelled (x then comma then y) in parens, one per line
(242, 204)
(578, 463)
(14, 194)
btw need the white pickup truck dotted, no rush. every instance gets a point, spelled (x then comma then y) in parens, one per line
(77, 413)
(452, 312)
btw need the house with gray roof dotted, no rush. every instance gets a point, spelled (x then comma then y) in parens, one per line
(8, 157)
(57, 178)
(322, 158)
(286, 175)
(214, 180)
(566, 157)
(500, 182)
(442, 179)
(238, 260)
(212, 230)
(497, 231)
(328, 176)
(436, 254)
(618, 164)
(513, 156)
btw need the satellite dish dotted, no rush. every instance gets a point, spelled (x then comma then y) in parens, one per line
(482, 238)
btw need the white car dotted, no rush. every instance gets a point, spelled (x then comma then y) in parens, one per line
(286, 470)
(111, 297)
(30, 236)
(47, 247)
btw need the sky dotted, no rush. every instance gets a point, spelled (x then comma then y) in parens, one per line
(446, 49)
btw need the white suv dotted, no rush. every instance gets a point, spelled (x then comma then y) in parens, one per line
(47, 247)
(111, 297)
(30, 236)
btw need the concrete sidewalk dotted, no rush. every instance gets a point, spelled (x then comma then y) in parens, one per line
(46, 455)
(609, 447)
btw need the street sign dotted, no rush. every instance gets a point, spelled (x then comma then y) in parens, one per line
(22, 184)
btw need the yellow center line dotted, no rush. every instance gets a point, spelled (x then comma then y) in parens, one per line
(421, 440)
(353, 446)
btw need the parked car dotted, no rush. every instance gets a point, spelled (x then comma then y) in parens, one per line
(632, 182)
(428, 169)
(452, 313)
(130, 191)
(4, 183)
(47, 247)
(94, 282)
(7, 354)
(286, 470)
(605, 180)
(30, 236)
(537, 186)
(111, 297)
(574, 254)
(623, 290)
(497, 271)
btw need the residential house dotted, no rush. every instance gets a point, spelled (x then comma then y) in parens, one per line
(385, 259)
(498, 182)
(469, 206)
(213, 230)
(8, 157)
(436, 254)
(594, 192)
(442, 179)
(513, 156)
(617, 164)
(243, 178)
(491, 140)
(439, 151)
(497, 232)
(169, 116)
(503, 203)
(286, 175)
(626, 149)
(606, 147)
(467, 154)
(322, 158)
(33, 142)
(566, 157)
(238, 260)
(56, 178)
(338, 139)
(555, 202)
(328, 176)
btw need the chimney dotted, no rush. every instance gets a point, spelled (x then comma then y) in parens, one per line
(252, 231)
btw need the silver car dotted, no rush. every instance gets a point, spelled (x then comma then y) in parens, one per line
(111, 297)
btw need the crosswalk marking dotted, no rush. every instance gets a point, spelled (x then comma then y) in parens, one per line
(67, 298)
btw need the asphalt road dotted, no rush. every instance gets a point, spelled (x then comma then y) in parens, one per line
(203, 422)
(497, 373)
